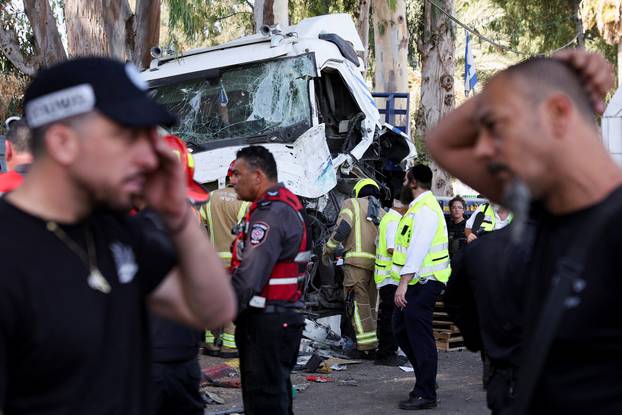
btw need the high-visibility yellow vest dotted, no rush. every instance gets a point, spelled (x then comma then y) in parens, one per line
(384, 260)
(490, 220)
(436, 261)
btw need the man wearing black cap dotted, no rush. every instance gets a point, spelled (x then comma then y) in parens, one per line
(421, 265)
(77, 272)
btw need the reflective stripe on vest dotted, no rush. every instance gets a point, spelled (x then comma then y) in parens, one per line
(490, 220)
(436, 262)
(206, 215)
(287, 276)
(384, 261)
(358, 252)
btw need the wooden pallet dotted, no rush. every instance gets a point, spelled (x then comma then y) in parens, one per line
(446, 334)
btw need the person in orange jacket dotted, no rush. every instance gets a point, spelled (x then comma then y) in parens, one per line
(17, 155)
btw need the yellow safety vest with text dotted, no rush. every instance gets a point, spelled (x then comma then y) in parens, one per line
(436, 261)
(384, 260)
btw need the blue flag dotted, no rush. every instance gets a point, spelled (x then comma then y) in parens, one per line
(223, 99)
(470, 76)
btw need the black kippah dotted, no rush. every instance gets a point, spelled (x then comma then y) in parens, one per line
(421, 173)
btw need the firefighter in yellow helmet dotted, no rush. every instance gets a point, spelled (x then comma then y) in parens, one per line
(356, 231)
(220, 215)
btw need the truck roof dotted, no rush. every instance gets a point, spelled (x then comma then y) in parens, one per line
(259, 47)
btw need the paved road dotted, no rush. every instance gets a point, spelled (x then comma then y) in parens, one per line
(380, 388)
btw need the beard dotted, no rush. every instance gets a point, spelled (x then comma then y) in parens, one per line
(406, 196)
(517, 198)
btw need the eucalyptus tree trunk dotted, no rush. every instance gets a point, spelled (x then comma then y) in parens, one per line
(391, 46)
(436, 48)
(271, 12)
(391, 50)
(362, 26)
(98, 27)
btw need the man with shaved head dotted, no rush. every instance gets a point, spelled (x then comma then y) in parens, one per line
(530, 141)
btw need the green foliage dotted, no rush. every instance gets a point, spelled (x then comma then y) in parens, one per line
(204, 21)
(300, 9)
(536, 26)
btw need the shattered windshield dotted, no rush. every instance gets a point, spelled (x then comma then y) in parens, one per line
(263, 99)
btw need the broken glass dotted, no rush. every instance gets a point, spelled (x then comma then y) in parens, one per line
(263, 99)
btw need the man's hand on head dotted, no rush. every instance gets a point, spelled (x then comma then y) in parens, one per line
(596, 71)
(166, 188)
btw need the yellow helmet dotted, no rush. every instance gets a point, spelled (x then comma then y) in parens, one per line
(362, 183)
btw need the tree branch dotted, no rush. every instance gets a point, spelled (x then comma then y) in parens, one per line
(9, 46)
(231, 15)
(48, 44)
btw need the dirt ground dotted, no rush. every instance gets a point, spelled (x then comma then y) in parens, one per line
(378, 389)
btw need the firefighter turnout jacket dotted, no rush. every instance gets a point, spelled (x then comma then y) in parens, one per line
(220, 214)
(356, 233)
(436, 262)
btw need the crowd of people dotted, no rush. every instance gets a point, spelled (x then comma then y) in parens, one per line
(110, 280)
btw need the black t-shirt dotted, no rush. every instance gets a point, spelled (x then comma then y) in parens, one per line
(583, 370)
(455, 234)
(66, 348)
(485, 295)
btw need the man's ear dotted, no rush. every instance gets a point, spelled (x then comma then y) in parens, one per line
(560, 110)
(62, 143)
(8, 150)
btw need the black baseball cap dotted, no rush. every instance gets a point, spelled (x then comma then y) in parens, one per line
(81, 85)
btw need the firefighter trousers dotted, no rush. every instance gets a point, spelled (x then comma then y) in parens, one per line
(222, 338)
(360, 288)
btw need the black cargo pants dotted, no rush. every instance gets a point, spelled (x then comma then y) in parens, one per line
(268, 345)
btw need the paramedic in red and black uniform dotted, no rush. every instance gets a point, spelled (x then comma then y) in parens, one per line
(270, 256)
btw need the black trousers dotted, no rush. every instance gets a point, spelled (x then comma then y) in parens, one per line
(387, 344)
(176, 388)
(268, 345)
(413, 330)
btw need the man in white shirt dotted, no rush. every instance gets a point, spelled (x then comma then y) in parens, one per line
(421, 259)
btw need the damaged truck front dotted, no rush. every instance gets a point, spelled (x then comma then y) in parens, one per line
(300, 92)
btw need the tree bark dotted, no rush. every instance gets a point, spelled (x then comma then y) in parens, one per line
(391, 46)
(48, 45)
(271, 12)
(578, 24)
(99, 27)
(147, 31)
(437, 82)
(362, 26)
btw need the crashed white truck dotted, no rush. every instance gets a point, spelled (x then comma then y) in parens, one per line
(300, 92)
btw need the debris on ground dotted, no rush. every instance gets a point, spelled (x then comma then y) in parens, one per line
(347, 382)
(319, 379)
(211, 398)
(338, 367)
(407, 368)
(225, 375)
(314, 363)
(301, 387)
